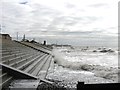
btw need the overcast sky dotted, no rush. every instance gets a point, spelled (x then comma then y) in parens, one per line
(63, 21)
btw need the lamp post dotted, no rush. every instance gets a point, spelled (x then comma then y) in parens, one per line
(0, 29)
(17, 36)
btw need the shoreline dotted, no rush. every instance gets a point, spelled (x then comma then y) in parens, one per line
(70, 78)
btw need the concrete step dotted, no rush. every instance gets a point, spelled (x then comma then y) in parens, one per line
(34, 65)
(36, 71)
(51, 68)
(2, 76)
(22, 61)
(24, 84)
(9, 53)
(25, 65)
(0, 72)
(43, 72)
(17, 73)
(13, 56)
(6, 79)
(40, 46)
(15, 59)
(34, 47)
(4, 51)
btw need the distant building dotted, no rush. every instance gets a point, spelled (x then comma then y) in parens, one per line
(5, 36)
(23, 38)
(61, 45)
(33, 41)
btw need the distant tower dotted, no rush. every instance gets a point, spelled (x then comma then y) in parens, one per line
(24, 37)
(17, 36)
(44, 42)
(0, 29)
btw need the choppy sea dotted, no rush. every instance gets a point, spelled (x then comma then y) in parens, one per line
(85, 64)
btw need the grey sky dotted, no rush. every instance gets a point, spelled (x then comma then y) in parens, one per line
(61, 19)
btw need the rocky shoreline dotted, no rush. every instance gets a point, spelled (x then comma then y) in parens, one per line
(69, 79)
(57, 85)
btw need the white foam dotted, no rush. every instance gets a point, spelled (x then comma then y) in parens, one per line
(87, 60)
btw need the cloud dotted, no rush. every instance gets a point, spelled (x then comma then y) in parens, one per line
(23, 2)
(99, 5)
(59, 19)
(69, 5)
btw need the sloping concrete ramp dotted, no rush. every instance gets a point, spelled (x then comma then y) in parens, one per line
(17, 73)
(23, 78)
(28, 45)
(24, 85)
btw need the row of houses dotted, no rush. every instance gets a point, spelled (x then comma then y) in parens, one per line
(5, 36)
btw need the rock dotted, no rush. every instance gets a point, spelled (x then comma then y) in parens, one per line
(94, 50)
(104, 51)
(87, 67)
(99, 48)
(110, 50)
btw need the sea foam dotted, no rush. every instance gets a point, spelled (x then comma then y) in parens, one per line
(100, 67)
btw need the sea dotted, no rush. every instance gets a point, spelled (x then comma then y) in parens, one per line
(91, 65)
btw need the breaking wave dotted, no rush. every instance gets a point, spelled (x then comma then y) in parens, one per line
(98, 70)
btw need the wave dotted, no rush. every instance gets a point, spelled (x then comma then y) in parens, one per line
(100, 71)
